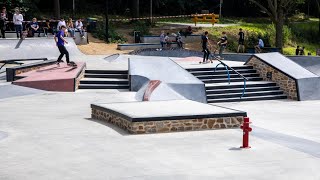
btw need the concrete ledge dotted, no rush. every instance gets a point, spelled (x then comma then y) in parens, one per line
(179, 115)
(61, 78)
(156, 39)
(139, 46)
(12, 72)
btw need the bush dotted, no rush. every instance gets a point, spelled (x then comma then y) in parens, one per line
(100, 33)
(142, 26)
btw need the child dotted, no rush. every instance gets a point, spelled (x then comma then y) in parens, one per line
(179, 41)
(162, 41)
(34, 27)
(60, 40)
(205, 43)
(259, 46)
(241, 41)
(222, 43)
(17, 21)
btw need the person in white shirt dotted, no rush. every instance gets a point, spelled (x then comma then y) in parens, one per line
(259, 46)
(79, 27)
(61, 23)
(17, 21)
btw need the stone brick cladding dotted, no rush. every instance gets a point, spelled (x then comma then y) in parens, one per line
(286, 83)
(165, 126)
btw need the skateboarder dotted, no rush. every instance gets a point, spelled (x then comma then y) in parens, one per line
(60, 40)
(205, 43)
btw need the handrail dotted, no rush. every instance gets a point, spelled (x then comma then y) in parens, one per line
(228, 67)
(13, 61)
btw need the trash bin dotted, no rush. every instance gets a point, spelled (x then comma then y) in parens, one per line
(137, 36)
(92, 24)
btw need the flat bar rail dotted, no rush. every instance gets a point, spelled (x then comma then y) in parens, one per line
(228, 67)
(14, 61)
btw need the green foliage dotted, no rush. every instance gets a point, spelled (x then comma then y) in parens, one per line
(100, 33)
(142, 26)
(308, 31)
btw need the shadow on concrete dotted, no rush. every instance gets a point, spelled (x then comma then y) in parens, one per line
(235, 149)
(3, 135)
(51, 69)
(115, 128)
(19, 44)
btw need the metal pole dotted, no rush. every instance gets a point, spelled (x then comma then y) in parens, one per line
(151, 11)
(220, 13)
(73, 8)
(107, 20)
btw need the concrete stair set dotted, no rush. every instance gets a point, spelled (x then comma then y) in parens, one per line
(218, 90)
(105, 79)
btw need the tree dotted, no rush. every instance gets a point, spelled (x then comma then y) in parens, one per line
(277, 10)
(57, 8)
(136, 8)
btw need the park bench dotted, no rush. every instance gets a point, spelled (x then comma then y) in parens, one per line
(156, 39)
(264, 50)
(139, 46)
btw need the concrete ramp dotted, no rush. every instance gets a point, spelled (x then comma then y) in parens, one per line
(311, 63)
(34, 48)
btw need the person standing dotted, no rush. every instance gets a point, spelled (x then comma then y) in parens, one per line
(222, 43)
(34, 25)
(17, 21)
(241, 41)
(162, 40)
(298, 51)
(3, 19)
(60, 41)
(79, 27)
(205, 43)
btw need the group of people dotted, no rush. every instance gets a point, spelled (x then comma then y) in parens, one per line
(166, 42)
(206, 46)
(300, 51)
(34, 26)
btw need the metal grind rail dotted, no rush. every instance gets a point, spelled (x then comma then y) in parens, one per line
(16, 61)
(227, 69)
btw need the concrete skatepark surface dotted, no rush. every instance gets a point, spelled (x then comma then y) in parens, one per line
(51, 136)
(34, 48)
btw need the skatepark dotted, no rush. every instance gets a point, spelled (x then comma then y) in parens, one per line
(81, 123)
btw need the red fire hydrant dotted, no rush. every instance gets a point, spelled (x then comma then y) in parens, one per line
(246, 129)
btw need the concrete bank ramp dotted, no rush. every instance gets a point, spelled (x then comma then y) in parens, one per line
(307, 83)
(8, 91)
(311, 63)
(34, 48)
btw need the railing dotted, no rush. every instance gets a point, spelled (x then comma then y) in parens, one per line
(14, 61)
(227, 69)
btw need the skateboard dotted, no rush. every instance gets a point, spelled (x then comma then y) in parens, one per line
(72, 64)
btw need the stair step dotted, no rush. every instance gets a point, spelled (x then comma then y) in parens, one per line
(247, 94)
(120, 76)
(106, 71)
(219, 68)
(104, 81)
(103, 86)
(259, 98)
(233, 85)
(231, 80)
(239, 90)
(241, 71)
(226, 76)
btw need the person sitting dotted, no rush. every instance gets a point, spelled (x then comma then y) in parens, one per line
(79, 27)
(259, 46)
(70, 27)
(167, 40)
(47, 28)
(34, 25)
(302, 53)
(61, 23)
(188, 31)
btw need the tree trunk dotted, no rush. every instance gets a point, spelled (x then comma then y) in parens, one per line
(279, 28)
(135, 7)
(57, 8)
